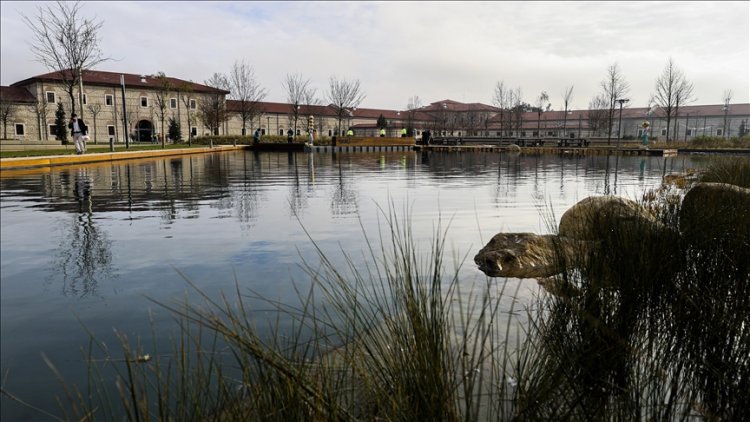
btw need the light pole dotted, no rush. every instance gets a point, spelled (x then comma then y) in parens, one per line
(619, 124)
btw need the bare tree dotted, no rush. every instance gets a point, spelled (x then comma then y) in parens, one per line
(613, 88)
(515, 100)
(541, 101)
(94, 109)
(40, 109)
(186, 101)
(671, 89)
(727, 99)
(567, 97)
(7, 113)
(500, 100)
(246, 91)
(164, 89)
(411, 114)
(343, 95)
(296, 88)
(67, 43)
(213, 110)
(684, 95)
(598, 114)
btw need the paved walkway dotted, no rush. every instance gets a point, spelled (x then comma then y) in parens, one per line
(96, 157)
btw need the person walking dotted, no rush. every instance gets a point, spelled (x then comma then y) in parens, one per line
(256, 136)
(78, 129)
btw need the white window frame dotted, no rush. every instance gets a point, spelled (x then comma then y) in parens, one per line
(112, 131)
(141, 101)
(54, 97)
(23, 129)
(173, 103)
(111, 99)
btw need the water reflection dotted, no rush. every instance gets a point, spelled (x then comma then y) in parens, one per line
(84, 255)
(101, 237)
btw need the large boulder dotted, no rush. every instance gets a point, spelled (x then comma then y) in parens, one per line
(586, 219)
(715, 211)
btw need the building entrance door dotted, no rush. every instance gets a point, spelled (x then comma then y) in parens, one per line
(144, 131)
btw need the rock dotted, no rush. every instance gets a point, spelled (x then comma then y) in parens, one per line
(586, 219)
(715, 210)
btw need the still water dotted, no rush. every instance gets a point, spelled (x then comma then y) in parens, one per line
(89, 248)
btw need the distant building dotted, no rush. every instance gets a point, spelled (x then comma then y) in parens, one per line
(28, 111)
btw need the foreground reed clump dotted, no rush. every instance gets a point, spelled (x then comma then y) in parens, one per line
(651, 325)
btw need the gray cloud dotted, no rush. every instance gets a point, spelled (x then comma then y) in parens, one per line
(435, 50)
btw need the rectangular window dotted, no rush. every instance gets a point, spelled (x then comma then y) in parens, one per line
(20, 129)
(523, 134)
(52, 130)
(192, 104)
(85, 99)
(262, 131)
(144, 101)
(663, 132)
(281, 132)
(51, 97)
(109, 100)
(690, 132)
(111, 130)
(719, 132)
(173, 103)
(194, 131)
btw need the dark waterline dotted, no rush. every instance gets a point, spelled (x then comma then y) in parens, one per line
(94, 243)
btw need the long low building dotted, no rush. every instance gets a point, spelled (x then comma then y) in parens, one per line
(140, 107)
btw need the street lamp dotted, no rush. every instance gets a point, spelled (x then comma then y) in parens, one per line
(619, 124)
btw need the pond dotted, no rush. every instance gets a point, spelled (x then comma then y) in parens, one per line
(93, 247)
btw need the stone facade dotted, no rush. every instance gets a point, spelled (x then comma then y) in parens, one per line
(34, 102)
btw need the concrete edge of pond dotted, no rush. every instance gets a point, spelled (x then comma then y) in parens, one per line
(96, 157)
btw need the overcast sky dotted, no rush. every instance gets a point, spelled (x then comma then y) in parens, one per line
(434, 50)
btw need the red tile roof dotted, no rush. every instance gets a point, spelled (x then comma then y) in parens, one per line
(15, 94)
(98, 77)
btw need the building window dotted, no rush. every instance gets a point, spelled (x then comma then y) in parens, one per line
(194, 131)
(20, 129)
(690, 132)
(52, 130)
(663, 132)
(262, 131)
(110, 130)
(281, 132)
(523, 134)
(173, 103)
(109, 100)
(144, 101)
(85, 99)
(719, 132)
(51, 97)
(192, 104)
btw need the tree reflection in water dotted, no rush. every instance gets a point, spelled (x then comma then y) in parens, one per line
(84, 256)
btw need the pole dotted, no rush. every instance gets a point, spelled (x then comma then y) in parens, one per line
(124, 113)
(619, 126)
(80, 91)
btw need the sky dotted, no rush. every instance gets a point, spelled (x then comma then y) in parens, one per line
(432, 50)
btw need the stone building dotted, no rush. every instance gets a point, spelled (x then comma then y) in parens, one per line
(28, 108)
